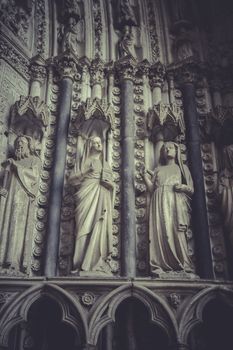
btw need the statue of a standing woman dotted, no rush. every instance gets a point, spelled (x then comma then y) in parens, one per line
(171, 188)
(93, 211)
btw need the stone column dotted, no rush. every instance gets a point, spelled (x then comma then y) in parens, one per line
(216, 92)
(199, 210)
(38, 75)
(84, 88)
(157, 73)
(171, 87)
(110, 70)
(97, 78)
(67, 69)
(126, 70)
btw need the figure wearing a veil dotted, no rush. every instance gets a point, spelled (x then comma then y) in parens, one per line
(171, 189)
(93, 210)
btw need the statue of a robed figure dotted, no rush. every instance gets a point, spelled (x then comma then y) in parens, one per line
(171, 189)
(17, 203)
(94, 192)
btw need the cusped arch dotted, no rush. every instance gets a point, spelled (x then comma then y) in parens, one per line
(193, 314)
(17, 311)
(104, 313)
(95, 109)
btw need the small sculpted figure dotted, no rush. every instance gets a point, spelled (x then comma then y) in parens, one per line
(93, 211)
(17, 204)
(126, 44)
(72, 35)
(171, 188)
(225, 189)
(184, 44)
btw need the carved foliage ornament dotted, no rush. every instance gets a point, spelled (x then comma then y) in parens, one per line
(127, 67)
(157, 74)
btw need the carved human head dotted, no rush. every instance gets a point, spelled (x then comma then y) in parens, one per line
(21, 145)
(168, 151)
(96, 144)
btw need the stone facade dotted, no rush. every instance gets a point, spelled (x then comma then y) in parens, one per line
(116, 199)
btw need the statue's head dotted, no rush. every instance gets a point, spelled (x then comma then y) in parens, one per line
(22, 148)
(96, 144)
(168, 151)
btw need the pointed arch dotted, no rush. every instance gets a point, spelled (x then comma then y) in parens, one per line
(104, 313)
(193, 314)
(72, 312)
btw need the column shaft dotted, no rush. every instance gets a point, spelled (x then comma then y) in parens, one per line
(128, 194)
(200, 221)
(56, 188)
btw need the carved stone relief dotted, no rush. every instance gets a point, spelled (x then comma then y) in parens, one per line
(17, 16)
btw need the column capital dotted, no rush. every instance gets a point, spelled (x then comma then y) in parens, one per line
(157, 74)
(126, 68)
(97, 71)
(144, 68)
(38, 69)
(186, 72)
(66, 64)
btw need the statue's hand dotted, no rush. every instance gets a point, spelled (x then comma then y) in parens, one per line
(178, 188)
(9, 162)
(181, 188)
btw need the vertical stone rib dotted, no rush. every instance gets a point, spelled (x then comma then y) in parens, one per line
(128, 193)
(200, 220)
(59, 161)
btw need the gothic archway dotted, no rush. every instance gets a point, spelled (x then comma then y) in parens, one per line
(43, 306)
